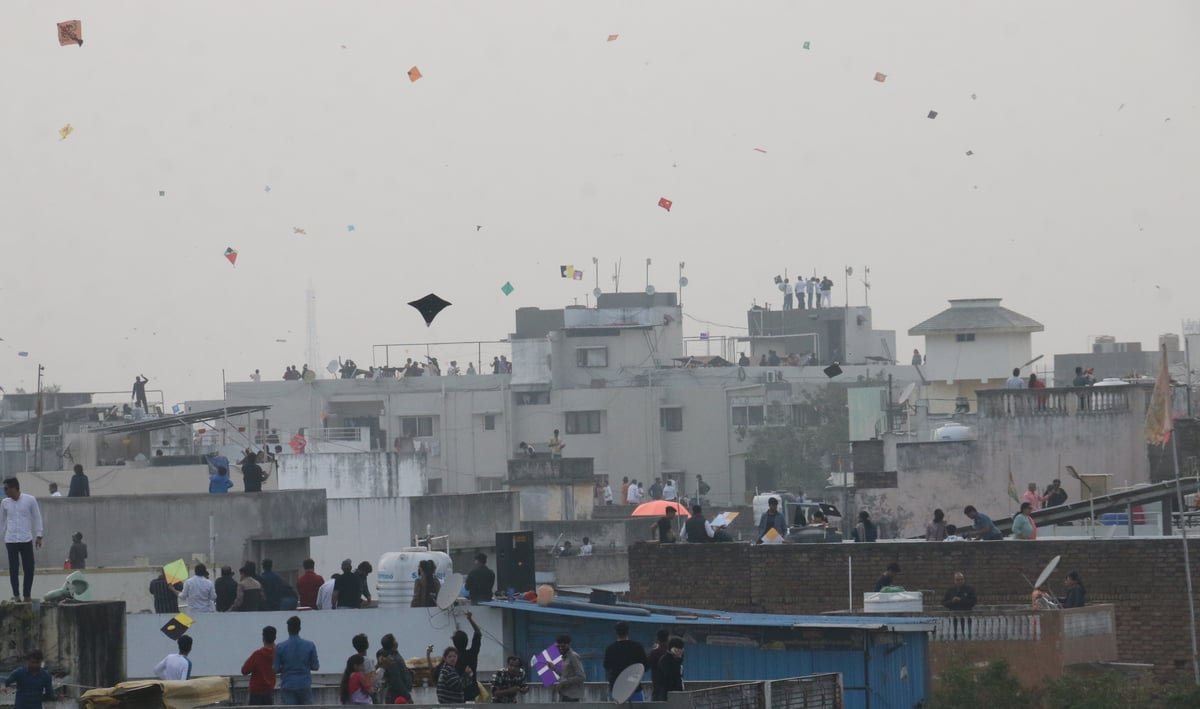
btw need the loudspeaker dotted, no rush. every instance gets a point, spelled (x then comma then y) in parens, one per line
(514, 561)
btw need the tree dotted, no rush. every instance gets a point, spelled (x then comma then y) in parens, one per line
(797, 443)
(991, 686)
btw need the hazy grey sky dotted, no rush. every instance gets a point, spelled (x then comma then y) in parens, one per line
(560, 144)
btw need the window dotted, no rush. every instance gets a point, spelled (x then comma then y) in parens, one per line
(747, 415)
(591, 356)
(435, 486)
(416, 426)
(488, 484)
(965, 337)
(532, 398)
(489, 422)
(583, 422)
(671, 418)
(804, 416)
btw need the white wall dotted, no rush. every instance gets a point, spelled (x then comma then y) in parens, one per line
(224, 640)
(361, 529)
(991, 356)
(353, 474)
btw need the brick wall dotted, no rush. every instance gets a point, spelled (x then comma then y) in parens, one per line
(1143, 578)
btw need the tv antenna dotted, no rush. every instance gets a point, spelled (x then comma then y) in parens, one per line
(616, 277)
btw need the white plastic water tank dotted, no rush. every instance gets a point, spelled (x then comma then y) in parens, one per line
(893, 602)
(953, 432)
(397, 573)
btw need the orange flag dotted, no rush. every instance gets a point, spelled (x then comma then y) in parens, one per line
(1158, 416)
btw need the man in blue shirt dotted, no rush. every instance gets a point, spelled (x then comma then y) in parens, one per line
(295, 661)
(32, 682)
(984, 527)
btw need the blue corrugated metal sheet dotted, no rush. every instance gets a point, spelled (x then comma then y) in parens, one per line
(754, 648)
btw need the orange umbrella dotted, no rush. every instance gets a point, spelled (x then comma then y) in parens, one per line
(658, 508)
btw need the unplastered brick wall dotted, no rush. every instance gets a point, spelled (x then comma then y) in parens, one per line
(1143, 578)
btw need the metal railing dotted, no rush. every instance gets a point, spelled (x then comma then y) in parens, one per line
(813, 692)
(971, 627)
(750, 695)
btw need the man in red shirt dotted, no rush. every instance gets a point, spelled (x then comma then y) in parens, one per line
(260, 667)
(308, 585)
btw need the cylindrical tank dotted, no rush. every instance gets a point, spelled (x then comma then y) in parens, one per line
(953, 432)
(397, 573)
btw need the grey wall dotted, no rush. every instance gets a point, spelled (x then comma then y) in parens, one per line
(591, 570)
(605, 534)
(471, 520)
(84, 643)
(168, 527)
(354, 474)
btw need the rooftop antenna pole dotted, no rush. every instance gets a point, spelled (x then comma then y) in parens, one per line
(682, 283)
(41, 406)
(596, 272)
(312, 346)
(867, 286)
(647, 273)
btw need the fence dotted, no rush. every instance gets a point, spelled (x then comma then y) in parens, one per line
(993, 627)
(750, 695)
(813, 692)
(1016, 403)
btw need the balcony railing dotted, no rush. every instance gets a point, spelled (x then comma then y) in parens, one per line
(1001, 625)
(1075, 401)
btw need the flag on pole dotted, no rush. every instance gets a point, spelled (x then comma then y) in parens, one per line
(1012, 487)
(1158, 416)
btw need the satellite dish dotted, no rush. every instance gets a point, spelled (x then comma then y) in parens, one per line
(1041, 579)
(649, 290)
(908, 391)
(450, 590)
(628, 682)
(683, 281)
(597, 292)
(849, 270)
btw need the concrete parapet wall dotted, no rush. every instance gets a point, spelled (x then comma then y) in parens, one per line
(83, 643)
(471, 520)
(163, 528)
(355, 474)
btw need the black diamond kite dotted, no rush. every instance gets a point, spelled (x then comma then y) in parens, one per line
(177, 626)
(429, 307)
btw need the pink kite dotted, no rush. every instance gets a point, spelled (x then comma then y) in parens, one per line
(665, 203)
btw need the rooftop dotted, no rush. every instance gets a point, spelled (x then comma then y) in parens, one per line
(975, 315)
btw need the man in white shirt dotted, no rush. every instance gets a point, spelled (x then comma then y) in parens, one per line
(1015, 381)
(325, 594)
(176, 665)
(800, 288)
(198, 593)
(669, 490)
(54, 490)
(21, 520)
(608, 494)
(632, 496)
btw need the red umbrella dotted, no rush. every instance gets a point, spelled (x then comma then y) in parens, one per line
(658, 508)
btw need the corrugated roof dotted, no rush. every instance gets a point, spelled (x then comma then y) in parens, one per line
(162, 422)
(662, 615)
(975, 315)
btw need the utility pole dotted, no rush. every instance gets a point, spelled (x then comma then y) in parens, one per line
(37, 443)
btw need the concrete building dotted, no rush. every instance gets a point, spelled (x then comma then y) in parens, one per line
(612, 379)
(972, 345)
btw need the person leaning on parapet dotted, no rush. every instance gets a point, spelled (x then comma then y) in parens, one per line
(935, 531)
(481, 581)
(1015, 381)
(984, 527)
(960, 596)
(663, 529)
(772, 519)
(1023, 526)
(865, 530)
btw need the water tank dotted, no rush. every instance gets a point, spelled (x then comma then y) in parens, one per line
(397, 573)
(952, 432)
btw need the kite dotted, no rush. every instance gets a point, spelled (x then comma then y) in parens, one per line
(267, 188)
(973, 97)
(231, 254)
(578, 275)
(569, 271)
(806, 45)
(880, 77)
(65, 131)
(175, 572)
(22, 354)
(613, 37)
(547, 664)
(478, 227)
(177, 626)
(932, 114)
(760, 150)
(349, 227)
(162, 193)
(298, 230)
(665, 203)
(507, 288)
(70, 32)
(970, 153)
(414, 74)
(429, 307)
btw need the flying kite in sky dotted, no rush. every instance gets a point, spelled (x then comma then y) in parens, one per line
(231, 254)
(880, 77)
(298, 230)
(569, 271)
(429, 307)
(933, 114)
(65, 131)
(349, 227)
(414, 74)
(507, 288)
(760, 150)
(665, 203)
(70, 32)
(613, 37)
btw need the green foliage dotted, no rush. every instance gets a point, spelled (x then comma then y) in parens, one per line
(1107, 690)
(1182, 696)
(991, 686)
(799, 451)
